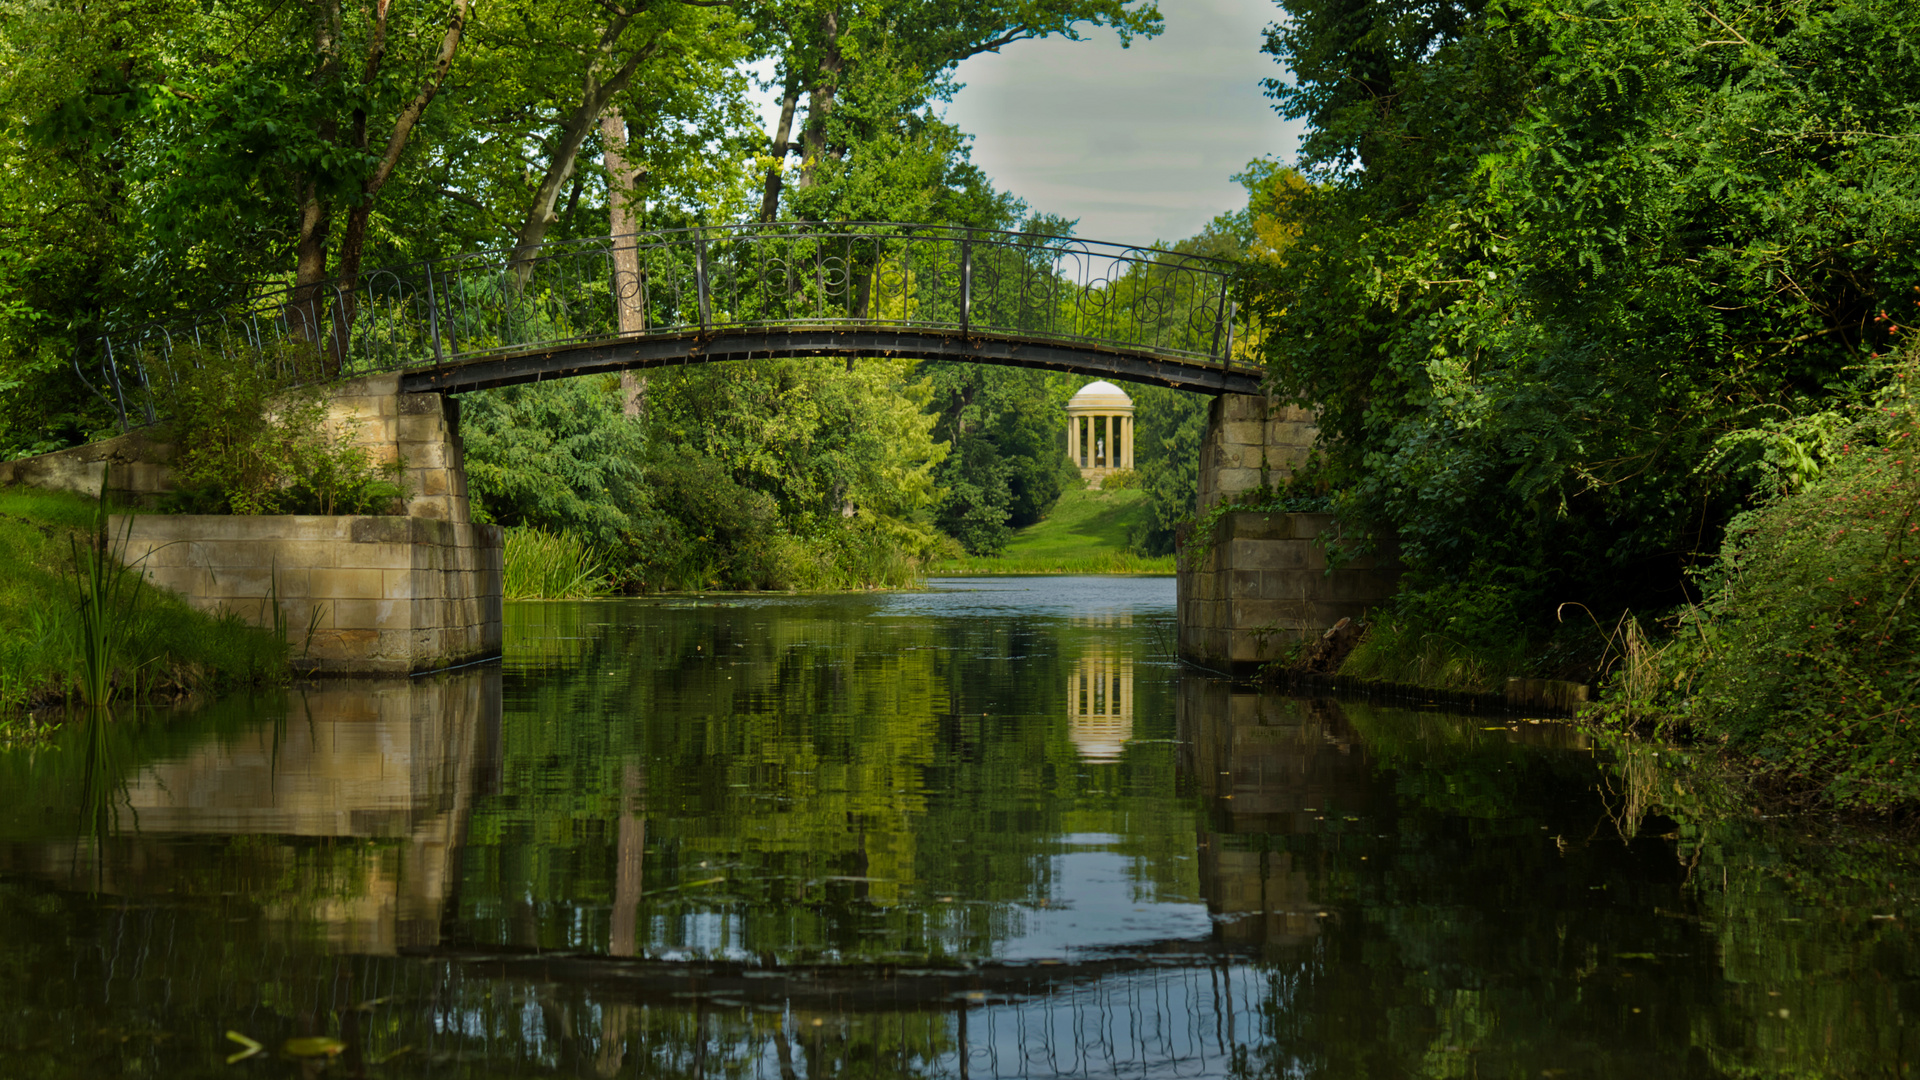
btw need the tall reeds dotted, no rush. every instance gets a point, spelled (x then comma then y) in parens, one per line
(541, 565)
(107, 596)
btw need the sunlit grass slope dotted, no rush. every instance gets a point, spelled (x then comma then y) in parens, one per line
(161, 643)
(1087, 533)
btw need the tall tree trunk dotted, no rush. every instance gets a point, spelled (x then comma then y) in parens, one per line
(310, 309)
(310, 264)
(820, 97)
(596, 94)
(629, 287)
(782, 145)
(353, 242)
(306, 312)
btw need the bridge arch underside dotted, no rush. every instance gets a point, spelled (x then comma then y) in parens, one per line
(696, 347)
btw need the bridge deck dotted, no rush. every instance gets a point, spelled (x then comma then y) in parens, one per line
(853, 341)
(722, 293)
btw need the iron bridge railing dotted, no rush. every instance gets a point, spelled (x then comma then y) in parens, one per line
(697, 282)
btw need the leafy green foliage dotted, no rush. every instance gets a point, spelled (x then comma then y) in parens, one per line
(1007, 464)
(1169, 427)
(1803, 650)
(1558, 255)
(770, 475)
(244, 443)
(557, 456)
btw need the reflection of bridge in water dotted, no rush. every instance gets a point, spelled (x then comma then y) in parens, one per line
(389, 776)
(686, 296)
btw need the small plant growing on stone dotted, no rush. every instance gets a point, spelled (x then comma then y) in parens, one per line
(247, 442)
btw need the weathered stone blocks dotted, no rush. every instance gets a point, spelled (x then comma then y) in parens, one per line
(384, 606)
(1246, 594)
(1251, 442)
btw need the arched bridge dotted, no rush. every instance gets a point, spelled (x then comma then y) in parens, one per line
(724, 293)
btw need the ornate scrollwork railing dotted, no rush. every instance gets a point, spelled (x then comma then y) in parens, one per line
(699, 282)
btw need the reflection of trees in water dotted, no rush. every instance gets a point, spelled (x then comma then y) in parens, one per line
(156, 986)
(1484, 911)
(1487, 913)
(817, 781)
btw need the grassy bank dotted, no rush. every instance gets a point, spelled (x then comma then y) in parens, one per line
(1087, 532)
(159, 646)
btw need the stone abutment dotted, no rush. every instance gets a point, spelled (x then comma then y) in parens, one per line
(388, 594)
(1253, 583)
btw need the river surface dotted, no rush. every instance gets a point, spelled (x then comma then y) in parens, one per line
(990, 829)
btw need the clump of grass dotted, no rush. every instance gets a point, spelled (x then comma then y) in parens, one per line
(542, 565)
(161, 645)
(1457, 636)
(862, 552)
(1402, 653)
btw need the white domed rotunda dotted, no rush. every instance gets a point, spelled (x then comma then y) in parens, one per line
(1100, 431)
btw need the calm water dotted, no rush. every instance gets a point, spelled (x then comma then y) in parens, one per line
(986, 830)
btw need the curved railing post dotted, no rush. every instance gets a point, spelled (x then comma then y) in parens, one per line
(700, 279)
(1226, 354)
(966, 283)
(433, 315)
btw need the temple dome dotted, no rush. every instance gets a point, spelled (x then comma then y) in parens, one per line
(1100, 395)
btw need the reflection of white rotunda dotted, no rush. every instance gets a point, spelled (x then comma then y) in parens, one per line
(1100, 707)
(1100, 430)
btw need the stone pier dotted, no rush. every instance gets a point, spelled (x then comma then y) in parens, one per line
(1255, 583)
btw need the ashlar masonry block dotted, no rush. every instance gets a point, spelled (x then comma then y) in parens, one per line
(1261, 583)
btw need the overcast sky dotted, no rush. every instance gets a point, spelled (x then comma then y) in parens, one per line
(1139, 144)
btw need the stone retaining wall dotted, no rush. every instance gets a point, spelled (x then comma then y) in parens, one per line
(1261, 583)
(139, 473)
(380, 594)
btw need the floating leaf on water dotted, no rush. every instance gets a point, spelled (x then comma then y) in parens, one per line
(314, 1046)
(252, 1047)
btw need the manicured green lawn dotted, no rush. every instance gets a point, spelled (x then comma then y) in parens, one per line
(1087, 533)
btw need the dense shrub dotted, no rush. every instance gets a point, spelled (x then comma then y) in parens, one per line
(1805, 651)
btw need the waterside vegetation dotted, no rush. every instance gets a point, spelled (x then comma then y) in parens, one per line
(1597, 321)
(78, 627)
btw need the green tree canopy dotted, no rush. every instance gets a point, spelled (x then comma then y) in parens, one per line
(1559, 252)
